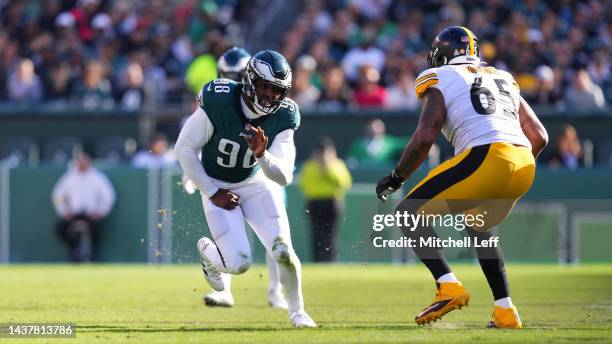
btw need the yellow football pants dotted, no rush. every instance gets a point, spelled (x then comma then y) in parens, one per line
(487, 179)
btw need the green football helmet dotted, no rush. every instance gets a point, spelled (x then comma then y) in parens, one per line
(266, 81)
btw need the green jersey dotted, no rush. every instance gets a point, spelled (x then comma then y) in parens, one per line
(227, 156)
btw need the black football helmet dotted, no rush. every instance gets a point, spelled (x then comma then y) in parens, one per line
(266, 69)
(455, 44)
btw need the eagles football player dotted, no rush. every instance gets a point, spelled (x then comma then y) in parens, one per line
(245, 131)
(231, 65)
(496, 136)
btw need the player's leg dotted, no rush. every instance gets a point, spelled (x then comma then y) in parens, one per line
(276, 298)
(491, 259)
(229, 250)
(493, 175)
(223, 298)
(463, 178)
(265, 213)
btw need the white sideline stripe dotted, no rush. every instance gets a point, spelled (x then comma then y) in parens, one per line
(4, 213)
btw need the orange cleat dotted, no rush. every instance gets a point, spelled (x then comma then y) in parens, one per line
(505, 318)
(449, 296)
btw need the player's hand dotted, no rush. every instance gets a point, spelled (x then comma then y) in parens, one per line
(388, 185)
(225, 199)
(258, 141)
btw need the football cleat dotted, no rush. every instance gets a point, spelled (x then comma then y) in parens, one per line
(276, 300)
(219, 299)
(505, 318)
(211, 274)
(301, 319)
(449, 296)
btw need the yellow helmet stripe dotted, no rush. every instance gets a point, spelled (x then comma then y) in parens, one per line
(471, 36)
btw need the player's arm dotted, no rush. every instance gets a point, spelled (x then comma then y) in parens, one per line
(532, 128)
(432, 118)
(276, 162)
(196, 132)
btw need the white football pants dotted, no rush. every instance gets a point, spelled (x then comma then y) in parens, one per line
(262, 206)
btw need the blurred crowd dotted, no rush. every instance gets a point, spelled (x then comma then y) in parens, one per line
(366, 53)
(108, 53)
(345, 53)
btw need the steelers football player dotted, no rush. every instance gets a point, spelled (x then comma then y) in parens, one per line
(496, 137)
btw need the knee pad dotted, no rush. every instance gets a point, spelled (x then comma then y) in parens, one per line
(238, 264)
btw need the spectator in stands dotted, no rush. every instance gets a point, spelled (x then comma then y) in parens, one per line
(568, 153)
(94, 91)
(369, 93)
(303, 91)
(401, 95)
(58, 85)
(583, 94)
(548, 90)
(335, 96)
(158, 155)
(83, 198)
(324, 182)
(132, 94)
(364, 53)
(23, 84)
(375, 148)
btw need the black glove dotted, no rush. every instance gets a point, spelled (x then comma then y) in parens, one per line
(388, 185)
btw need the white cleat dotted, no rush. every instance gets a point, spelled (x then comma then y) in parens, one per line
(211, 274)
(276, 300)
(219, 299)
(300, 319)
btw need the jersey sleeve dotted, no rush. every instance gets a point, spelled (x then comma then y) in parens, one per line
(425, 80)
(291, 118)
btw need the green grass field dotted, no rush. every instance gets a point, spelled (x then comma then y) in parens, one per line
(351, 303)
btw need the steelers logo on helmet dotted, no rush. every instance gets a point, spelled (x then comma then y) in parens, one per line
(454, 45)
(266, 81)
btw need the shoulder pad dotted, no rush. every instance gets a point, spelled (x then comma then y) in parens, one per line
(290, 112)
(425, 80)
(217, 92)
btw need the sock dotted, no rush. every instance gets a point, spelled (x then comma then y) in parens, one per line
(273, 284)
(491, 261)
(449, 277)
(506, 302)
(227, 281)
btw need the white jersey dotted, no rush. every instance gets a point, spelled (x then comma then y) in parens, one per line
(482, 104)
